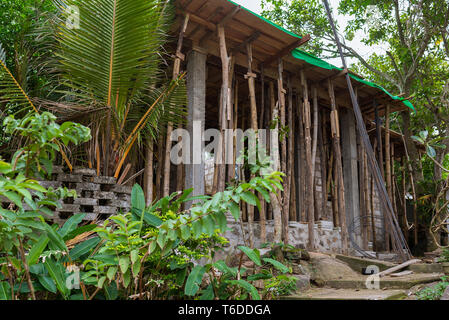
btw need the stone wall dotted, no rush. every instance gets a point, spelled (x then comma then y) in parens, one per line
(327, 238)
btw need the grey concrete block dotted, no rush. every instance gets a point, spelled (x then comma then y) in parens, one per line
(69, 178)
(86, 202)
(85, 171)
(105, 210)
(104, 195)
(104, 180)
(122, 189)
(72, 208)
(88, 186)
(52, 184)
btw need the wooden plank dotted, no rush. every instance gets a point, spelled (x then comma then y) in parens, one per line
(399, 267)
(402, 274)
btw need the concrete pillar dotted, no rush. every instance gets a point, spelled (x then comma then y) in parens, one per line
(196, 105)
(350, 173)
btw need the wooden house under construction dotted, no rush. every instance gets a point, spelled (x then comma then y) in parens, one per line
(244, 72)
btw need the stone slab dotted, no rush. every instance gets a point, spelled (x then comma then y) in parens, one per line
(343, 294)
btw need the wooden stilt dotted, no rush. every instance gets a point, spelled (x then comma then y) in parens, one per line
(225, 103)
(302, 164)
(148, 177)
(274, 150)
(388, 165)
(309, 201)
(362, 194)
(323, 158)
(176, 69)
(338, 166)
(281, 102)
(289, 158)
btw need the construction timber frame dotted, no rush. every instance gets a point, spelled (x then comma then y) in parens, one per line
(241, 74)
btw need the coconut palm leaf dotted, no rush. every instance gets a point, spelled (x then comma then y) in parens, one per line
(113, 60)
(109, 58)
(10, 90)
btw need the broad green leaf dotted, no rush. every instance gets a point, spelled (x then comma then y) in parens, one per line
(101, 282)
(248, 287)
(56, 272)
(136, 268)
(138, 198)
(127, 278)
(47, 283)
(55, 238)
(71, 224)
(281, 267)
(14, 197)
(5, 291)
(37, 249)
(111, 292)
(223, 267)
(235, 210)
(124, 264)
(83, 248)
(194, 281)
(111, 273)
(134, 255)
(253, 254)
(208, 293)
(208, 225)
(250, 198)
(181, 276)
(259, 276)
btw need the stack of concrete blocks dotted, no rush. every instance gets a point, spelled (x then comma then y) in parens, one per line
(98, 197)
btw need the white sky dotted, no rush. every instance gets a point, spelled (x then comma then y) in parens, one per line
(363, 50)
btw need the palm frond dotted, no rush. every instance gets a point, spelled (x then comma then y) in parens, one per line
(111, 55)
(10, 90)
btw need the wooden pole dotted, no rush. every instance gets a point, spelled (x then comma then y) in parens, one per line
(302, 164)
(373, 221)
(323, 157)
(250, 76)
(274, 150)
(362, 183)
(309, 201)
(290, 161)
(148, 177)
(176, 69)
(225, 102)
(281, 102)
(339, 167)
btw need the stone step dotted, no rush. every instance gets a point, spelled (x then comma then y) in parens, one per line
(357, 264)
(347, 294)
(426, 268)
(405, 282)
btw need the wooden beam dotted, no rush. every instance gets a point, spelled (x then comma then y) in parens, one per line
(222, 23)
(242, 46)
(287, 50)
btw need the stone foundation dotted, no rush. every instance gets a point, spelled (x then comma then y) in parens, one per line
(327, 238)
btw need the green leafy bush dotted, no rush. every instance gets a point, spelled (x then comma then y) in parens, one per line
(434, 292)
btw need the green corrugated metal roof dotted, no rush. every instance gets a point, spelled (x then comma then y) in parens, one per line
(311, 59)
